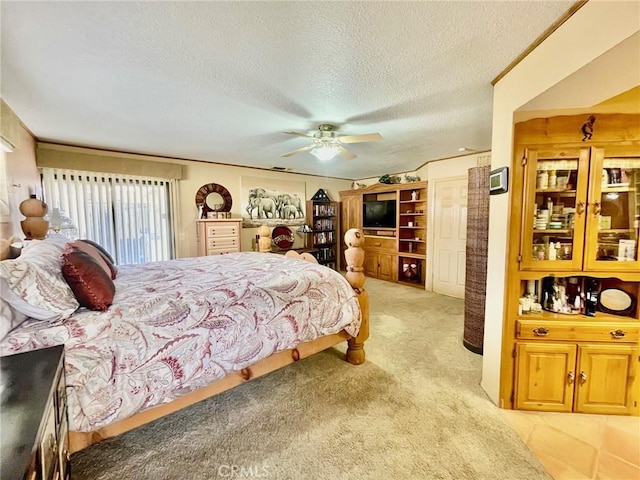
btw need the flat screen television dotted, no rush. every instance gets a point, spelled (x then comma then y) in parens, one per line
(379, 214)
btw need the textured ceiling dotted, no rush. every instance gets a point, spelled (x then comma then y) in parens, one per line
(221, 81)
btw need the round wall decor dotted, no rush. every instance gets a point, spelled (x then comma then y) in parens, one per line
(214, 198)
(282, 237)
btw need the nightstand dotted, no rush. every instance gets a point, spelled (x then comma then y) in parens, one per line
(33, 413)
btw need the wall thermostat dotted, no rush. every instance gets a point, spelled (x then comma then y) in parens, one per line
(499, 180)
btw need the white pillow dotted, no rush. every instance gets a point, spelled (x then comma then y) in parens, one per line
(9, 318)
(33, 283)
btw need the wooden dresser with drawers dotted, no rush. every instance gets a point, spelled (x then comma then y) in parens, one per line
(218, 236)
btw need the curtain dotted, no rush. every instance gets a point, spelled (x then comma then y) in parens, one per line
(130, 216)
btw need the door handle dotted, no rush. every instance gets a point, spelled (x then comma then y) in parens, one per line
(597, 208)
(580, 208)
(571, 378)
(583, 378)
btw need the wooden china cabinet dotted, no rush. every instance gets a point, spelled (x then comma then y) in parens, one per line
(572, 324)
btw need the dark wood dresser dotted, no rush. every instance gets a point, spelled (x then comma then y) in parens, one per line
(33, 416)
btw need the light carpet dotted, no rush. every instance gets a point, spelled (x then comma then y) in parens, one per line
(414, 410)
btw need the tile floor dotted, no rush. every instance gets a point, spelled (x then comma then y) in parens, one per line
(578, 446)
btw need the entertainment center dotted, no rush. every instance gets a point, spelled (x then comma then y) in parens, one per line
(393, 218)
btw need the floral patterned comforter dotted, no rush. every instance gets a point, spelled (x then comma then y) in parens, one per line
(179, 325)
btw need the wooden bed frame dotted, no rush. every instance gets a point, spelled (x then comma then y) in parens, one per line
(354, 256)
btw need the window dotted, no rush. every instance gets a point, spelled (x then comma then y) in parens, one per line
(129, 215)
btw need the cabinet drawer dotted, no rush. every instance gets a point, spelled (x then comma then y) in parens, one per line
(222, 250)
(377, 243)
(580, 331)
(222, 242)
(222, 230)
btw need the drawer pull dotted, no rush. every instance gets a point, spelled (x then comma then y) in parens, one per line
(618, 333)
(540, 332)
(583, 378)
(377, 244)
(570, 378)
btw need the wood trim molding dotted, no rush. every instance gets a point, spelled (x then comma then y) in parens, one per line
(547, 33)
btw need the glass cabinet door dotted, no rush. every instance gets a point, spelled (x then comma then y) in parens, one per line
(555, 194)
(614, 213)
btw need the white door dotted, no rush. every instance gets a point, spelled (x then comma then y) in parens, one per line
(450, 237)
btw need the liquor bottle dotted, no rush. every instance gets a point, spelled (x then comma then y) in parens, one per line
(591, 301)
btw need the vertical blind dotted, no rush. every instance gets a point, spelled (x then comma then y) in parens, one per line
(129, 216)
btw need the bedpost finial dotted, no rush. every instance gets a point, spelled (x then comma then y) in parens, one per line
(354, 256)
(264, 242)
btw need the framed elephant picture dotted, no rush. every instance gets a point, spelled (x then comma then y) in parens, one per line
(272, 202)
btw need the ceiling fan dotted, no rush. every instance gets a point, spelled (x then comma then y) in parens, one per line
(327, 144)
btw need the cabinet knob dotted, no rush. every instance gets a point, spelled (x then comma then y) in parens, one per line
(571, 378)
(580, 208)
(583, 378)
(597, 208)
(618, 333)
(540, 332)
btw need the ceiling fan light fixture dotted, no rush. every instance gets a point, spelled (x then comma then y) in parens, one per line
(324, 152)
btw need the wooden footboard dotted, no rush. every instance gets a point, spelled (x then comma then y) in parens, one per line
(355, 354)
(80, 440)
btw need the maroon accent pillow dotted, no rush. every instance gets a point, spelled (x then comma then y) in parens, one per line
(91, 285)
(112, 268)
(105, 255)
(94, 253)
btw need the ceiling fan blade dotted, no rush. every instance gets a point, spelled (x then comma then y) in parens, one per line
(346, 154)
(366, 137)
(298, 134)
(298, 150)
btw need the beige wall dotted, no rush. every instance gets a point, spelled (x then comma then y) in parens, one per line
(590, 32)
(200, 173)
(195, 174)
(21, 173)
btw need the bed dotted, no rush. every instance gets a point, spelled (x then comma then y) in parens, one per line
(181, 331)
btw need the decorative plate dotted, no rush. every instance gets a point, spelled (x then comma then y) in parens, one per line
(616, 301)
(282, 237)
